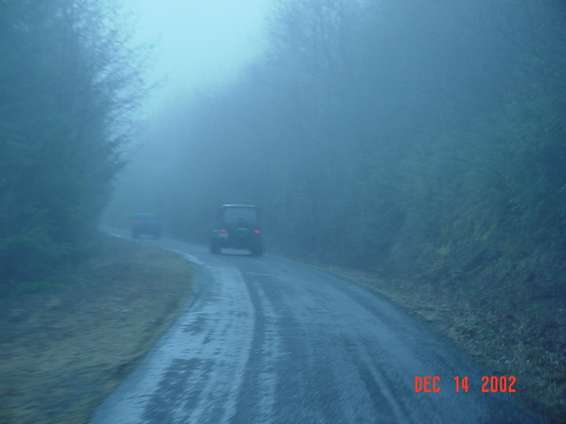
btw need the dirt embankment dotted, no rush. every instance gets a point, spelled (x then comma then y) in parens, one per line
(65, 343)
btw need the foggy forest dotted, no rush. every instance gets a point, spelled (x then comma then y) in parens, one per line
(422, 142)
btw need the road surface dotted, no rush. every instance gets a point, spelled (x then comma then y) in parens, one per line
(269, 340)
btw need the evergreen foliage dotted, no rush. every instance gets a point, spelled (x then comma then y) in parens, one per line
(67, 84)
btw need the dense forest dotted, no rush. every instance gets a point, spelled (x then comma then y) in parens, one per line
(395, 137)
(391, 136)
(421, 143)
(68, 85)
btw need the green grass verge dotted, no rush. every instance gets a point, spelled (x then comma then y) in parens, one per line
(67, 342)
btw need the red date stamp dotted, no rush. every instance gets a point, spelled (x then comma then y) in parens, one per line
(463, 384)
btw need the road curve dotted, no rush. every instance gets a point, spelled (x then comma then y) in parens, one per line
(269, 340)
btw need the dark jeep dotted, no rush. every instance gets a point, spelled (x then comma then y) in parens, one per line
(237, 227)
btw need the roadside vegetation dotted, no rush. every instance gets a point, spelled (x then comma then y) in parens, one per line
(67, 341)
(69, 84)
(425, 143)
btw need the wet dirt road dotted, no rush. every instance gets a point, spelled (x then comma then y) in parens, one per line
(269, 340)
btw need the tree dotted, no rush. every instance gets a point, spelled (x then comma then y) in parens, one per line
(68, 84)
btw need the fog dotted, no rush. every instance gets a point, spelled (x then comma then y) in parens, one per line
(196, 45)
(335, 115)
(416, 146)
(194, 48)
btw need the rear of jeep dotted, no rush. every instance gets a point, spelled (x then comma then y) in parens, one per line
(237, 226)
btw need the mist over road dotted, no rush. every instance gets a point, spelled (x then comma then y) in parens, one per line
(275, 341)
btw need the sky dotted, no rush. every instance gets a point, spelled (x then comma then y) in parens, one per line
(198, 43)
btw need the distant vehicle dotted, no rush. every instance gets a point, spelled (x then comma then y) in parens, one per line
(146, 224)
(237, 227)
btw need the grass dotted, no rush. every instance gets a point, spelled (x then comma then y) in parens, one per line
(505, 330)
(66, 343)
